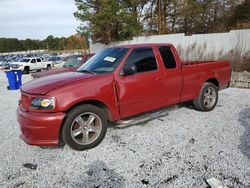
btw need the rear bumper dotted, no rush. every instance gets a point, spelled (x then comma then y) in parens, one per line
(40, 129)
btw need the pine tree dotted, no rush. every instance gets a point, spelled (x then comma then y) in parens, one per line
(107, 21)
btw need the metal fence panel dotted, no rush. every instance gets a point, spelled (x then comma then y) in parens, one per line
(198, 46)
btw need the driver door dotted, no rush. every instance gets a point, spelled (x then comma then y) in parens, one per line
(39, 64)
(33, 64)
(140, 92)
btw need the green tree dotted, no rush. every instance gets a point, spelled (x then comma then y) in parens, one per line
(62, 43)
(50, 43)
(240, 18)
(108, 20)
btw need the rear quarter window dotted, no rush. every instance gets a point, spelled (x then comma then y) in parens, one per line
(167, 57)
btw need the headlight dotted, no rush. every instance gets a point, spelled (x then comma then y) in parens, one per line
(43, 103)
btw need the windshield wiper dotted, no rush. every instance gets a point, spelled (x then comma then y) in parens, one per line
(86, 71)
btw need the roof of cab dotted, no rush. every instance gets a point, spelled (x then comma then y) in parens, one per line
(142, 45)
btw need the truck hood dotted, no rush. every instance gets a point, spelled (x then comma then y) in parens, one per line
(52, 71)
(45, 84)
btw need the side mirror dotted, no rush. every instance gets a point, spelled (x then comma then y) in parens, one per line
(128, 70)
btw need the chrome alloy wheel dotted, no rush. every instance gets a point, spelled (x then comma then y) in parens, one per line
(209, 97)
(86, 128)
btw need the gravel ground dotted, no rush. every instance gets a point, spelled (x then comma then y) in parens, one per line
(181, 149)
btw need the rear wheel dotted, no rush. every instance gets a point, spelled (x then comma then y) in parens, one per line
(85, 127)
(207, 99)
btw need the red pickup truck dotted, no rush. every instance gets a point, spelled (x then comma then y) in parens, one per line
(116, 85)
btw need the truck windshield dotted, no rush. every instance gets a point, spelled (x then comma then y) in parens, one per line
(105, 61)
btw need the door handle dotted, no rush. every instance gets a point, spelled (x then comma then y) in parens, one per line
(158, 78)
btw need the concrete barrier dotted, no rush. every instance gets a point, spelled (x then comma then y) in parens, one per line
(240, 79)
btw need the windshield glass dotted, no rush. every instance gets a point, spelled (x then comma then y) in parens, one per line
(24, 60)
(105, 61)
(73, 62)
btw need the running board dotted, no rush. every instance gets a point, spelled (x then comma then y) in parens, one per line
(145, 117)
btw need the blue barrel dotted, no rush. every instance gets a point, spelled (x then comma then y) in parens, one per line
(19, 78)
(14, 79)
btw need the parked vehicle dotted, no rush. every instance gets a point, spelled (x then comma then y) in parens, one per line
(33, 63)
(4, 65)
(70, 65)
(56, 61)
(115, 86)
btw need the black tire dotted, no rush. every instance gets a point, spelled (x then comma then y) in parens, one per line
(48, 67)
(207, 99)
(71, 126)
(26, 70)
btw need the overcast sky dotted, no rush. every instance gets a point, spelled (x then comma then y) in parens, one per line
(36, 19)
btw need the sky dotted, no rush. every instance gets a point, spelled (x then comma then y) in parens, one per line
(37, 19)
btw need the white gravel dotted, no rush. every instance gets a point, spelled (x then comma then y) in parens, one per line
(181, 149)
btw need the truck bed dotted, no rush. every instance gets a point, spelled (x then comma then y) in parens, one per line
(195, 73)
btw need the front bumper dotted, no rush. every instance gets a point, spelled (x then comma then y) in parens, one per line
(40, 129)
(18, 68)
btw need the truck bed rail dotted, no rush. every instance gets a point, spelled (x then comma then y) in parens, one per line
(189, 63)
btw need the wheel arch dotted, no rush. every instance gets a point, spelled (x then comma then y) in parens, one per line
(214, 81)
(96, 103)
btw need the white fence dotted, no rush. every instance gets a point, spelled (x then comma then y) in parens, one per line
(198, 46)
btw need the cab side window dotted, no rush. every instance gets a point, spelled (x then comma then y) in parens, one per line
(38, 60)
(33, 61)
(143, 59)
(167, 57)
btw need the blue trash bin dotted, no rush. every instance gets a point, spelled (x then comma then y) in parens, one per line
(14, 79)
(19, 78)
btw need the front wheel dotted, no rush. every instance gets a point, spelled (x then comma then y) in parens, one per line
(26, 70)
(48, 67)
(207, 99)
(85, 127)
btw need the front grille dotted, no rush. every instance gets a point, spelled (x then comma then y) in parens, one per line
(14, 66)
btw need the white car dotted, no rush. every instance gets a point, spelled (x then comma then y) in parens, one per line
(4, 65)
(31, 63)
